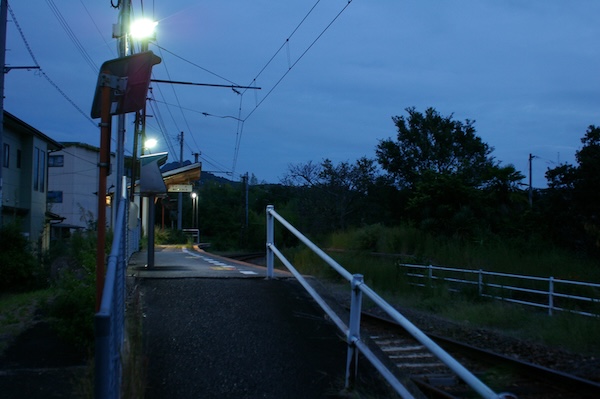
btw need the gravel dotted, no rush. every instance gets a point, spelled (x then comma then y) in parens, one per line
(586, 366)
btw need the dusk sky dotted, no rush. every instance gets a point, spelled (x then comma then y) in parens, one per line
(527, 71)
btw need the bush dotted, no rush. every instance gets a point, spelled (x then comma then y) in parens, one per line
(19, 268)
(72, 311)
(169, 236)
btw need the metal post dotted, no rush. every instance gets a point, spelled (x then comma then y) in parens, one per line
(123, 50)
(550, 295)
(530, 182)
(354, 331)
(430, 275)
(246, 204)
(180, 195)
(150, 229)
(480, 282)
(270, 240)
(102, 356)
(103, 166)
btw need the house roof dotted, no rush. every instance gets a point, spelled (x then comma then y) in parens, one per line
(10, 119)
(81, 145)
(183, 175)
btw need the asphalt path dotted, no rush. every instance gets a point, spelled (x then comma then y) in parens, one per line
(178, 262)
(212, 329)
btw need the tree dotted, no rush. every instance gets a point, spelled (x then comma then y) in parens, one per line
(455, 187)
(573, 198)
(331, 195)
(433, 143)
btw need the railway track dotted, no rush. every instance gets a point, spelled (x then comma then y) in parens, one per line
(503, 374)
(412, 362)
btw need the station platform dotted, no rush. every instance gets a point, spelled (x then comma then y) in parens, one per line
(179, 262)
(217, 328)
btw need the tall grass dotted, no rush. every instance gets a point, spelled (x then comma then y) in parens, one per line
(411, 245)
(375, 252)
(18, 312)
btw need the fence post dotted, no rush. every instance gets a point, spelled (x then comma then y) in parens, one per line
(480, 282)
(430, 275)
(102, 356)
(354, 330)
(550, 295)
(270, 239)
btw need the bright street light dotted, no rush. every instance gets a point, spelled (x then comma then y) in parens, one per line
(150, 143)
(142, 29)
(194, 196)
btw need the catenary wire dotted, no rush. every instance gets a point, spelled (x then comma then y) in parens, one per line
(111, 49)
(41, 71)
(244, 119)
(72, 36)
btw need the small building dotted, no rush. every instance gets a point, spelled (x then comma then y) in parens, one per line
(26, 151)
(73, 187)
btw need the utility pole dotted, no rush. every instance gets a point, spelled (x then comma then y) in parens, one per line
(123, 51)
(3, 17)
(246, 191)
(180, 195)
(530, 181)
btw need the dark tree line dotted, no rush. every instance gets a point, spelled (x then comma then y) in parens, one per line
(570, 207)
(436, 174)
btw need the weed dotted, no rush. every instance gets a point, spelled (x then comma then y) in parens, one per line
(134, 360)
(18, 312)
(19, 268)
(574, 332)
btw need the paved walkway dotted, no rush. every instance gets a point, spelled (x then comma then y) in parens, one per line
(216, 328)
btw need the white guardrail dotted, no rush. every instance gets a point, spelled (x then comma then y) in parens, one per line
(549, 293)
(352, 332)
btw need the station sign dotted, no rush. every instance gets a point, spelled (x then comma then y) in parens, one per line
(180, 188)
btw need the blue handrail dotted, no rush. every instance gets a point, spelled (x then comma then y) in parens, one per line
(109, 322)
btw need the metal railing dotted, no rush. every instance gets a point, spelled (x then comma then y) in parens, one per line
(194, 234)
(109, 321)
(549, 293)
(352, 332)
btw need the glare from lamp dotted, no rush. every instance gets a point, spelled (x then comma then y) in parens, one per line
(142, 28)
(150, 143)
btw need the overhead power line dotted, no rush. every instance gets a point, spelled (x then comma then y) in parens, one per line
(291, 65)
(194, 64)
(72, 36)
(242, 119)
(178, 82)
(299, 58)
(42, 72)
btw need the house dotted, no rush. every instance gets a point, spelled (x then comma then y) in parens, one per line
(73, 187)
(26, 151)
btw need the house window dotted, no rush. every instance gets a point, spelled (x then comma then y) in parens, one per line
(42, 171)
(56, 161)
(39, 170)
(19, 159)
(36, 169)
(55, 197)
(6, 154)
